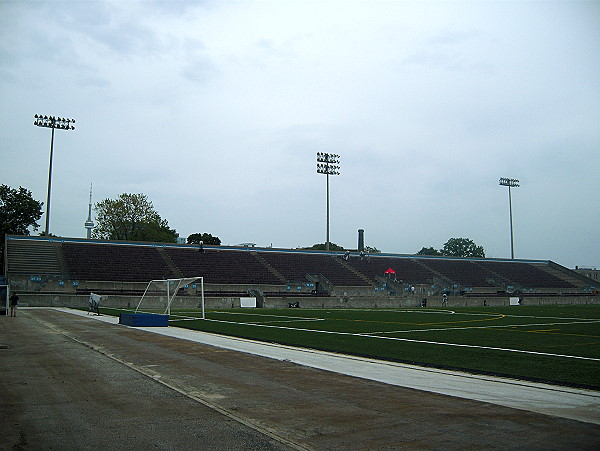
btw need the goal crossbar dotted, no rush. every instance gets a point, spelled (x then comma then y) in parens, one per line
(171, 287)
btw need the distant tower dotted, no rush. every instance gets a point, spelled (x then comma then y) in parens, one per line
(361, 240)
(89, 224)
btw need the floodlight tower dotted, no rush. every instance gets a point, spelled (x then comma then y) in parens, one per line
(511, 183)
(52, 122)
(328, 164)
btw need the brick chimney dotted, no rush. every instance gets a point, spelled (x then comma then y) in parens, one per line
(361, 240)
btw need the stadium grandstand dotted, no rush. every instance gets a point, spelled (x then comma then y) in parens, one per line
(53, 271)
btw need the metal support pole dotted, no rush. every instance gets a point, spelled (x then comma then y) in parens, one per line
(47, 231)
(7, 298)
(327, 241)
(504, 181)
(328, 164)
(202, 288)
(512, 243)
(62, 124)
(168, 299)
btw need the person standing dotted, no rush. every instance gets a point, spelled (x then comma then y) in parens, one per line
(14, 300)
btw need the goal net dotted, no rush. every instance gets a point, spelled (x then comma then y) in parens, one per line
(169, 289)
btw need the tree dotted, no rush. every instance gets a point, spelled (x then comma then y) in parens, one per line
(131, 217)
(462, 247)
(372, 250)
(206, 238)
(18, 211)
(322, 247)
(429, 251)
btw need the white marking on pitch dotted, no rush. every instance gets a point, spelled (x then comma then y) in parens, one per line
(440, 343)
(285, 318)
(482, 327)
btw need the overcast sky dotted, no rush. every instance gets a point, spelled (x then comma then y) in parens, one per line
(216, 110)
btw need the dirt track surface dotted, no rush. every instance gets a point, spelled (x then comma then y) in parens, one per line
(70, 382)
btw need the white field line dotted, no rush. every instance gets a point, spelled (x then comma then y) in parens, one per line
(185, 318)
(294, 320)
(281, 319)
(301, 318)
(370, 334)
(192, 318)
(408, 340)
(451, 312)
(481, 327)
(181, 316)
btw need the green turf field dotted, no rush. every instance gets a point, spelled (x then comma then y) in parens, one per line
(559, 344)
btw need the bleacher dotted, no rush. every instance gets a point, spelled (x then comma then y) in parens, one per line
(294, 266)
(33, 256)
(524, 274)
(114, 262)
(232, 270)
(463, 273)
(408, 270)
(221, 266)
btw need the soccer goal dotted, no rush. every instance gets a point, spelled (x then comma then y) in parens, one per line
(169, 288)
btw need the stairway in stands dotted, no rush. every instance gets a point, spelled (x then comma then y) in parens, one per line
(356, 272)
(172, 266)
(571, 277)
(34, 257)
(272, 270)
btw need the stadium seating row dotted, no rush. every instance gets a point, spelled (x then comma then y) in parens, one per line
(135, 263)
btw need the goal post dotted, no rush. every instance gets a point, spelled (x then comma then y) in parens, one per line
(170, 287)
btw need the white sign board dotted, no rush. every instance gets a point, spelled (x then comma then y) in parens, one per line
(514, 301)
(248, 302)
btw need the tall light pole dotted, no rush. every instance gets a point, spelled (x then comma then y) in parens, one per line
(62, 124)
(328, 164)
(511, 183)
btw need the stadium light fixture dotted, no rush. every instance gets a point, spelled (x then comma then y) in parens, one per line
(328, 164)
(511, 183)
(52, 122)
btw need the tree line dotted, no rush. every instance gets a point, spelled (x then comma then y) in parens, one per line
(456, 247)
(132, 217)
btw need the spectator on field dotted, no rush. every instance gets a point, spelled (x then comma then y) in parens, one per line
(14, 300)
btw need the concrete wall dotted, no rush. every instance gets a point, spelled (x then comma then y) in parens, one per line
(193, 302)
(431, 301)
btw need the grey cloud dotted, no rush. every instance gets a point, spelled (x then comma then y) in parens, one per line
(448, 37)
(103, 23)
(449, 59)
(198, 66)
(199, 70)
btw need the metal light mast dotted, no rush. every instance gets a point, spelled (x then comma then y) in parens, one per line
(62, 124)
(511, 183)
(328, 164)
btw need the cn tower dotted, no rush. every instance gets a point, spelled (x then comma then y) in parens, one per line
(89, 224)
